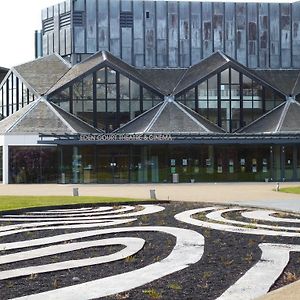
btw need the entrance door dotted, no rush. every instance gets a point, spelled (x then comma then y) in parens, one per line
(288, 163)
(119, 168)
(112, 164)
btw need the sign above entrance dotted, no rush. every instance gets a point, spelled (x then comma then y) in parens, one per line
(111, 137)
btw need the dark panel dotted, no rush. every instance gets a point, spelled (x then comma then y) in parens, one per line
(230, 29)
(241, 31)
(196, 32)
(138, 34)
(114, 18)
(218, 29)
(285, 24)
(296, 34)
(207, 34)
(161, 33)
(103, 29)
(150, 54)
(252, 35)
(91, 26)
(184, 34)
(173, 33)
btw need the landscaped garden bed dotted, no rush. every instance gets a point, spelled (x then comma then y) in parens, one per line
(166, 251)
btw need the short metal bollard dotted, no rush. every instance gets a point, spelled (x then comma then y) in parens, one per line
(152, 195)
(277, 187)
(75, 192)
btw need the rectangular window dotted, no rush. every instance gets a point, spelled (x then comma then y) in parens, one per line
(126, 19)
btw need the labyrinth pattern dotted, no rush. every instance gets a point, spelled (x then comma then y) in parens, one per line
(63, 231)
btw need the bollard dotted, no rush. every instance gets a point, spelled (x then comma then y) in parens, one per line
(75, 192)
(277, 187)
(152, 195)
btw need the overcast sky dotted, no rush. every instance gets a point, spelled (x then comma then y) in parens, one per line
(18, 21)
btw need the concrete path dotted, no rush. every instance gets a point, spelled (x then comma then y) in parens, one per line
(253, 194)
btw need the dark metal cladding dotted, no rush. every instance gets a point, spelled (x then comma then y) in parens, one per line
(175, 33)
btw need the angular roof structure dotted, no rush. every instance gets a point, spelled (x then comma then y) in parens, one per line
(282, 119)
(51, 74)
(164, 79)
(201, 70)
(287, 81)
(42, 73)
(44, 117)
(97, 61)
(170, 117)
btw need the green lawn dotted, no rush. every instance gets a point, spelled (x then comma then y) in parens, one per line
(17, 202)
(293, 190)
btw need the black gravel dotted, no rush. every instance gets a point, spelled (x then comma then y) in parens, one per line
(226, 258)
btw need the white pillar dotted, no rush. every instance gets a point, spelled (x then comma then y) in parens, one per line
(5, 165)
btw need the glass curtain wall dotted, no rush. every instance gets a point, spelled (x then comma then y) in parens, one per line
(106, 99)
(230, 99)
(14, 95)
(33, 164)
(163, 163)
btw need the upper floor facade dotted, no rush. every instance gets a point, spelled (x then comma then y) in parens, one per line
(173, 33)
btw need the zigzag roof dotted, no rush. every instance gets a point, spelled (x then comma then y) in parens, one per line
(170, 117)
(43, 117)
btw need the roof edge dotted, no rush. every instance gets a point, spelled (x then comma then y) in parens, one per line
(53, 106)
(260, 118)
(33, 105)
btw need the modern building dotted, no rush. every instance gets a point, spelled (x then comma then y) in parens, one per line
(156, 91)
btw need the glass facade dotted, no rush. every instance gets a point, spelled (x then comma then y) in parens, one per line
(33, 164)
(231, 99)
(106, 99)
(13, 95)
(160, 163)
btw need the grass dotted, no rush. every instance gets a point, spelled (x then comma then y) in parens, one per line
(293, 190)
(18, 202)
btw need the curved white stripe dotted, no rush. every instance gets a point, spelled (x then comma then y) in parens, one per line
(217, 216)
(188, 250)
(258, 280)
(186, 217)
(264, 215)
(148, 209)
(74, 210)
(106, 223)
(87, 213)
(133, 245)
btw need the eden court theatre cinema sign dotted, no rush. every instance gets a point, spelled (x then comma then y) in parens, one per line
(111, 137)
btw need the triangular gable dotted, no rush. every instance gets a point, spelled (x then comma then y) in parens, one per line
(98, 61)
(216, 63)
